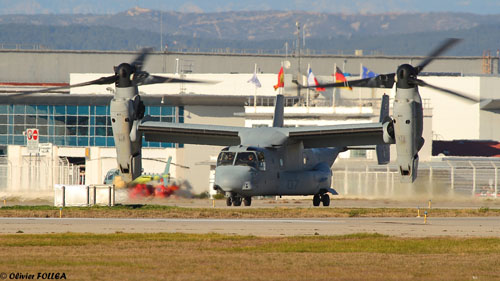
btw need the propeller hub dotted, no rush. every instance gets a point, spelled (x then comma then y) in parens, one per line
(404, 76)
(124, 72)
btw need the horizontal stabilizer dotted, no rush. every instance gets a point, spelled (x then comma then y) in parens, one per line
(490, 104)
(332, 191)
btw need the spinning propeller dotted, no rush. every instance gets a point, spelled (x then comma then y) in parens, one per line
(406, 75)
(126, 75)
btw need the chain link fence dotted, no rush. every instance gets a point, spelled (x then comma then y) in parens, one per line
(36, 174)
(452, 178)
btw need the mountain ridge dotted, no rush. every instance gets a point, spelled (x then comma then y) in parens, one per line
(261, 25)
(267, 30)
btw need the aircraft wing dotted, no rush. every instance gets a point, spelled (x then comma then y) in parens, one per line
(338, 135)
(191, 133)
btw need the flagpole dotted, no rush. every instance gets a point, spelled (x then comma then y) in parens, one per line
(334, 81)
(360, 77)
(282, 89)
(255, 93)
(308, 90)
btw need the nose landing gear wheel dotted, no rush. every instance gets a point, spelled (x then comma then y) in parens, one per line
(247, 201)
(237, 201)
(316, 200)
(325, 199)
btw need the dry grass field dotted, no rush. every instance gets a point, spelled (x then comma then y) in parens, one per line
(163, 256)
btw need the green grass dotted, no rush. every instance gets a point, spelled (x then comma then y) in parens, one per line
(379, 244)
(361, 242)
(76, 239)
(162, 211)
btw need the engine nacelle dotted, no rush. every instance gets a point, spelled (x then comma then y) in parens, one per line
(123, 113)
(408, 127)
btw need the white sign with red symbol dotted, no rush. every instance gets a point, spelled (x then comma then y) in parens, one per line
(32, 140)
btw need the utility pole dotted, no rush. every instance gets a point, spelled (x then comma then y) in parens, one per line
(297, 23)
(299, 75)
(161, 31)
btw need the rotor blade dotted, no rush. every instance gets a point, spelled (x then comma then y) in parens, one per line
(138, 62)
(437, 52)
(425, 84)
(154, 79)
(101, 81)
(380, 81)
(164, 161)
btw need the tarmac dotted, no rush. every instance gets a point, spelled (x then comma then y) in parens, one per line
(401, 227)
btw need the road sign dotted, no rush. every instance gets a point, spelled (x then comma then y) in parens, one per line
(32, 140)
(45, 149)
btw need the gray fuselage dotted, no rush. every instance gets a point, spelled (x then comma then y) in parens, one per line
(288, 170)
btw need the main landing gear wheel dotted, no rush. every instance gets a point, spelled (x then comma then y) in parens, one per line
(247, 201)
(229, 201)
(325, 199)
(316, 200)
(237, 201)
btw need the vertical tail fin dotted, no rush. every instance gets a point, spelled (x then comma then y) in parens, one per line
(383, 150)
(167, 166)
(279, 111)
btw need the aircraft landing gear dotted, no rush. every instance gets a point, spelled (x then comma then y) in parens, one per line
(247, 201)
(321, 198)
(325, 199)
(236, 201)
(316, 200)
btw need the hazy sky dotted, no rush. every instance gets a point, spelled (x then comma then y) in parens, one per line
(330, 6)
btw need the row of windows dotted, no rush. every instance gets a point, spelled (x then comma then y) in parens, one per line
(67, 125)
(66, 120)
(79, 110)
(78, 141)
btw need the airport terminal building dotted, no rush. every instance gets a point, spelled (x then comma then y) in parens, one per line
(76, 131)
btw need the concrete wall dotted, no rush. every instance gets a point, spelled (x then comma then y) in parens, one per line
(54, 66)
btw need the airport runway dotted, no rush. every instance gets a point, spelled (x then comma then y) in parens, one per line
(403, 227)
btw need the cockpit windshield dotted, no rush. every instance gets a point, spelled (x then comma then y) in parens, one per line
(252, 159)
(225, 158)
(246, 159)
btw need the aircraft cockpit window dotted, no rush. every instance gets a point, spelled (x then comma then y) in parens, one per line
(225, 159)
(246, 159)
(262, 162)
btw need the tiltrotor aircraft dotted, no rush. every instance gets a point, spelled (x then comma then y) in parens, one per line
(297, 161)
(276, 160)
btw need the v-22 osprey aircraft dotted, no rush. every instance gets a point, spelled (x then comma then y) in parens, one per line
(273, 160)
(296, 161)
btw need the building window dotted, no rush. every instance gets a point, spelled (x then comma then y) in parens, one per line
(71, 125)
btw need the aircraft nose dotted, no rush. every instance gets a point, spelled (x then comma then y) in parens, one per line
(233, 178)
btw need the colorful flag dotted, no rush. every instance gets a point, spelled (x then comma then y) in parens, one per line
(281, 80)
(367, 73)
(255, 80)
(311, 81)
(339, 77)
